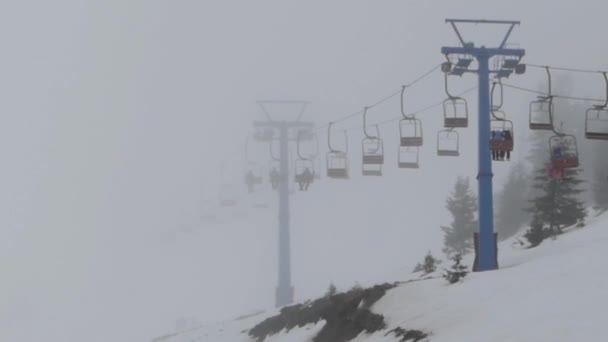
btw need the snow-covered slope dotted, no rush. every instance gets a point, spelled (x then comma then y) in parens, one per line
(555, 292)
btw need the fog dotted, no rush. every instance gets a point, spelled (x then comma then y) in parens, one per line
(117, 117)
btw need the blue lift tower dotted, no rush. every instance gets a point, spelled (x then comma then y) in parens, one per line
(287, 131)
(509, 61)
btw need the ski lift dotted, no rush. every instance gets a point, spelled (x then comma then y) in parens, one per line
(274, 170)
(455, 110)
(448, 142)
(336, 161)
(540, 114)
(304, 168)
(253, 173)
(501, 129)
(506, 141)
(410, 128)
(564, 151)
(596, 119)
(541, 110)
(372, 151)
(409, 157)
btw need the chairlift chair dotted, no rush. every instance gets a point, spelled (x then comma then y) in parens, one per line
(372, 148)
(410, 131)
(596, 123)
(336, 161)
(596, 118)
(337, 165)
(540, 114)
(455, 110)
(502, 145)
(304, 164)
(300, 167)
(448, 143)
(373, 156)
(564, 151)
(408, 157)
(455, 113)
(410, 128)
(541, 110)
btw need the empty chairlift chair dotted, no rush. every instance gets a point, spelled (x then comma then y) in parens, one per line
(410, 139)
(336, 161)
(541, 110)
(373, 156)
(410, 131)
(455, 110)
(337, 165)
(448, 142)
(372, 149)
(455, 113)
(541, 114)
(596, 123)
(596, 119)
(410, 128)
(409, 157)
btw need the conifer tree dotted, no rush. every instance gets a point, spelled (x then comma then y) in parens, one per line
(557, 205)
(511, 204)
(428, 266)
(462, 205)
(457, 272)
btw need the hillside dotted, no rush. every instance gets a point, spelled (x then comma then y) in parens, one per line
(555, 292)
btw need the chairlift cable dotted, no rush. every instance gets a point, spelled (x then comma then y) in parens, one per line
(585, 71)
(555, 96)
(392, 95)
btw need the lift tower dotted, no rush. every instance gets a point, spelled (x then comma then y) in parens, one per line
(486, 258)
(287, 131)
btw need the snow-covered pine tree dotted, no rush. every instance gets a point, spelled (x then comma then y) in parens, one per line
(428, 266)
(511, 213)
(457, 272)
(462, 205)
(557, 205)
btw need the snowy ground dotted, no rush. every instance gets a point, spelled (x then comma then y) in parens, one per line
(555, 292)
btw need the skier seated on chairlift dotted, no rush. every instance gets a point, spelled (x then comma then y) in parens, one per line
(304, 179)
(250, 181)
(497, 154)
(274, 178)
(557, 153)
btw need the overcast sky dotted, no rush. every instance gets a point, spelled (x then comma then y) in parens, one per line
(117, 115)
